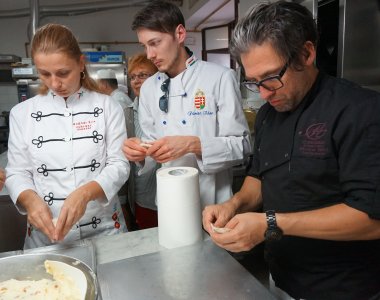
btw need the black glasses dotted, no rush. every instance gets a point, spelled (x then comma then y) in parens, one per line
(270, 83)
(164, 99)
(140, 76)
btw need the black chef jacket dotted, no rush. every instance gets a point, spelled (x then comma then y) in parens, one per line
(325, 152)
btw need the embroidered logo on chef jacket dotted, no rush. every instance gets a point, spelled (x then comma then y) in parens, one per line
(199, 104)
(312, 141)
(199, 99)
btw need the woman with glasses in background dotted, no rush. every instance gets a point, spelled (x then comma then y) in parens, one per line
(141, 189)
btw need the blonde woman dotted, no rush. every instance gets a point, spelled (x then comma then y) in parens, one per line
(65, 160)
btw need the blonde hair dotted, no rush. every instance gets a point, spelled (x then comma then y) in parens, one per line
(138, 60)
(56, 38)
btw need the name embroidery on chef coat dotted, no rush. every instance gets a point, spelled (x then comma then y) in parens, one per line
(313, 140)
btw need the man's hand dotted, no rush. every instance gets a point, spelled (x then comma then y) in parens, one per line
(133, 150)
(218, 215)
(247, 231)
(173, 147)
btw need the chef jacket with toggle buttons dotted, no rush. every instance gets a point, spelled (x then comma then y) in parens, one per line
(55, 146)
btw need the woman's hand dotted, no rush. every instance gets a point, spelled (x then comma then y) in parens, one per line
(75, 206)
(39, 213)
(72, 210)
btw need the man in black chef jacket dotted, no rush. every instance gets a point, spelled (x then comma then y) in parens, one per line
(315, 169)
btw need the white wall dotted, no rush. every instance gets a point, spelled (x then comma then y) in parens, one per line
(106, 26)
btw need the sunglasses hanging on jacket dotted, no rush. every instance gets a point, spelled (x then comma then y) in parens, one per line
(164, 99)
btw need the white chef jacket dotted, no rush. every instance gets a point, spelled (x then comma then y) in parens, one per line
(120, 97)
(55, 146)
(144, 184)
(204, 101)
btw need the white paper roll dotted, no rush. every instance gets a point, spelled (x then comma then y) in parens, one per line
(178, 206)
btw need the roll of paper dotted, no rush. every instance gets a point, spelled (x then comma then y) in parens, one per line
(179, 207)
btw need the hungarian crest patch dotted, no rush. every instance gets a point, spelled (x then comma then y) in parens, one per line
(200, 99)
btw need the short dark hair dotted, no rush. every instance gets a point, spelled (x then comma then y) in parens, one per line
(159, 16)
(285, 25)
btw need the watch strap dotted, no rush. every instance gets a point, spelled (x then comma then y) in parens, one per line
(271, 219)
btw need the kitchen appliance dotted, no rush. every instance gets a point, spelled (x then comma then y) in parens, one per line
(26, 76)
(6, 62)
(114, 60)
(349, 39)
(27, 81)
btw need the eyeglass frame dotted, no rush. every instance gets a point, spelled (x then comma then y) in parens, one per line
(140, 76)
(163, 103)
(260, 82)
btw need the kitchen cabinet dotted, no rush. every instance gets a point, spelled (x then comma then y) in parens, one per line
(12, 226)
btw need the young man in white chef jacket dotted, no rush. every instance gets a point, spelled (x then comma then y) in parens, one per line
(190, 110)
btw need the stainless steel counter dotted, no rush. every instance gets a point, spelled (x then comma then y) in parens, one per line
(134, 266)
(200, 271)
(117, 247)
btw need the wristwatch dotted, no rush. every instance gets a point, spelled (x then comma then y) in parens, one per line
(273, 232)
